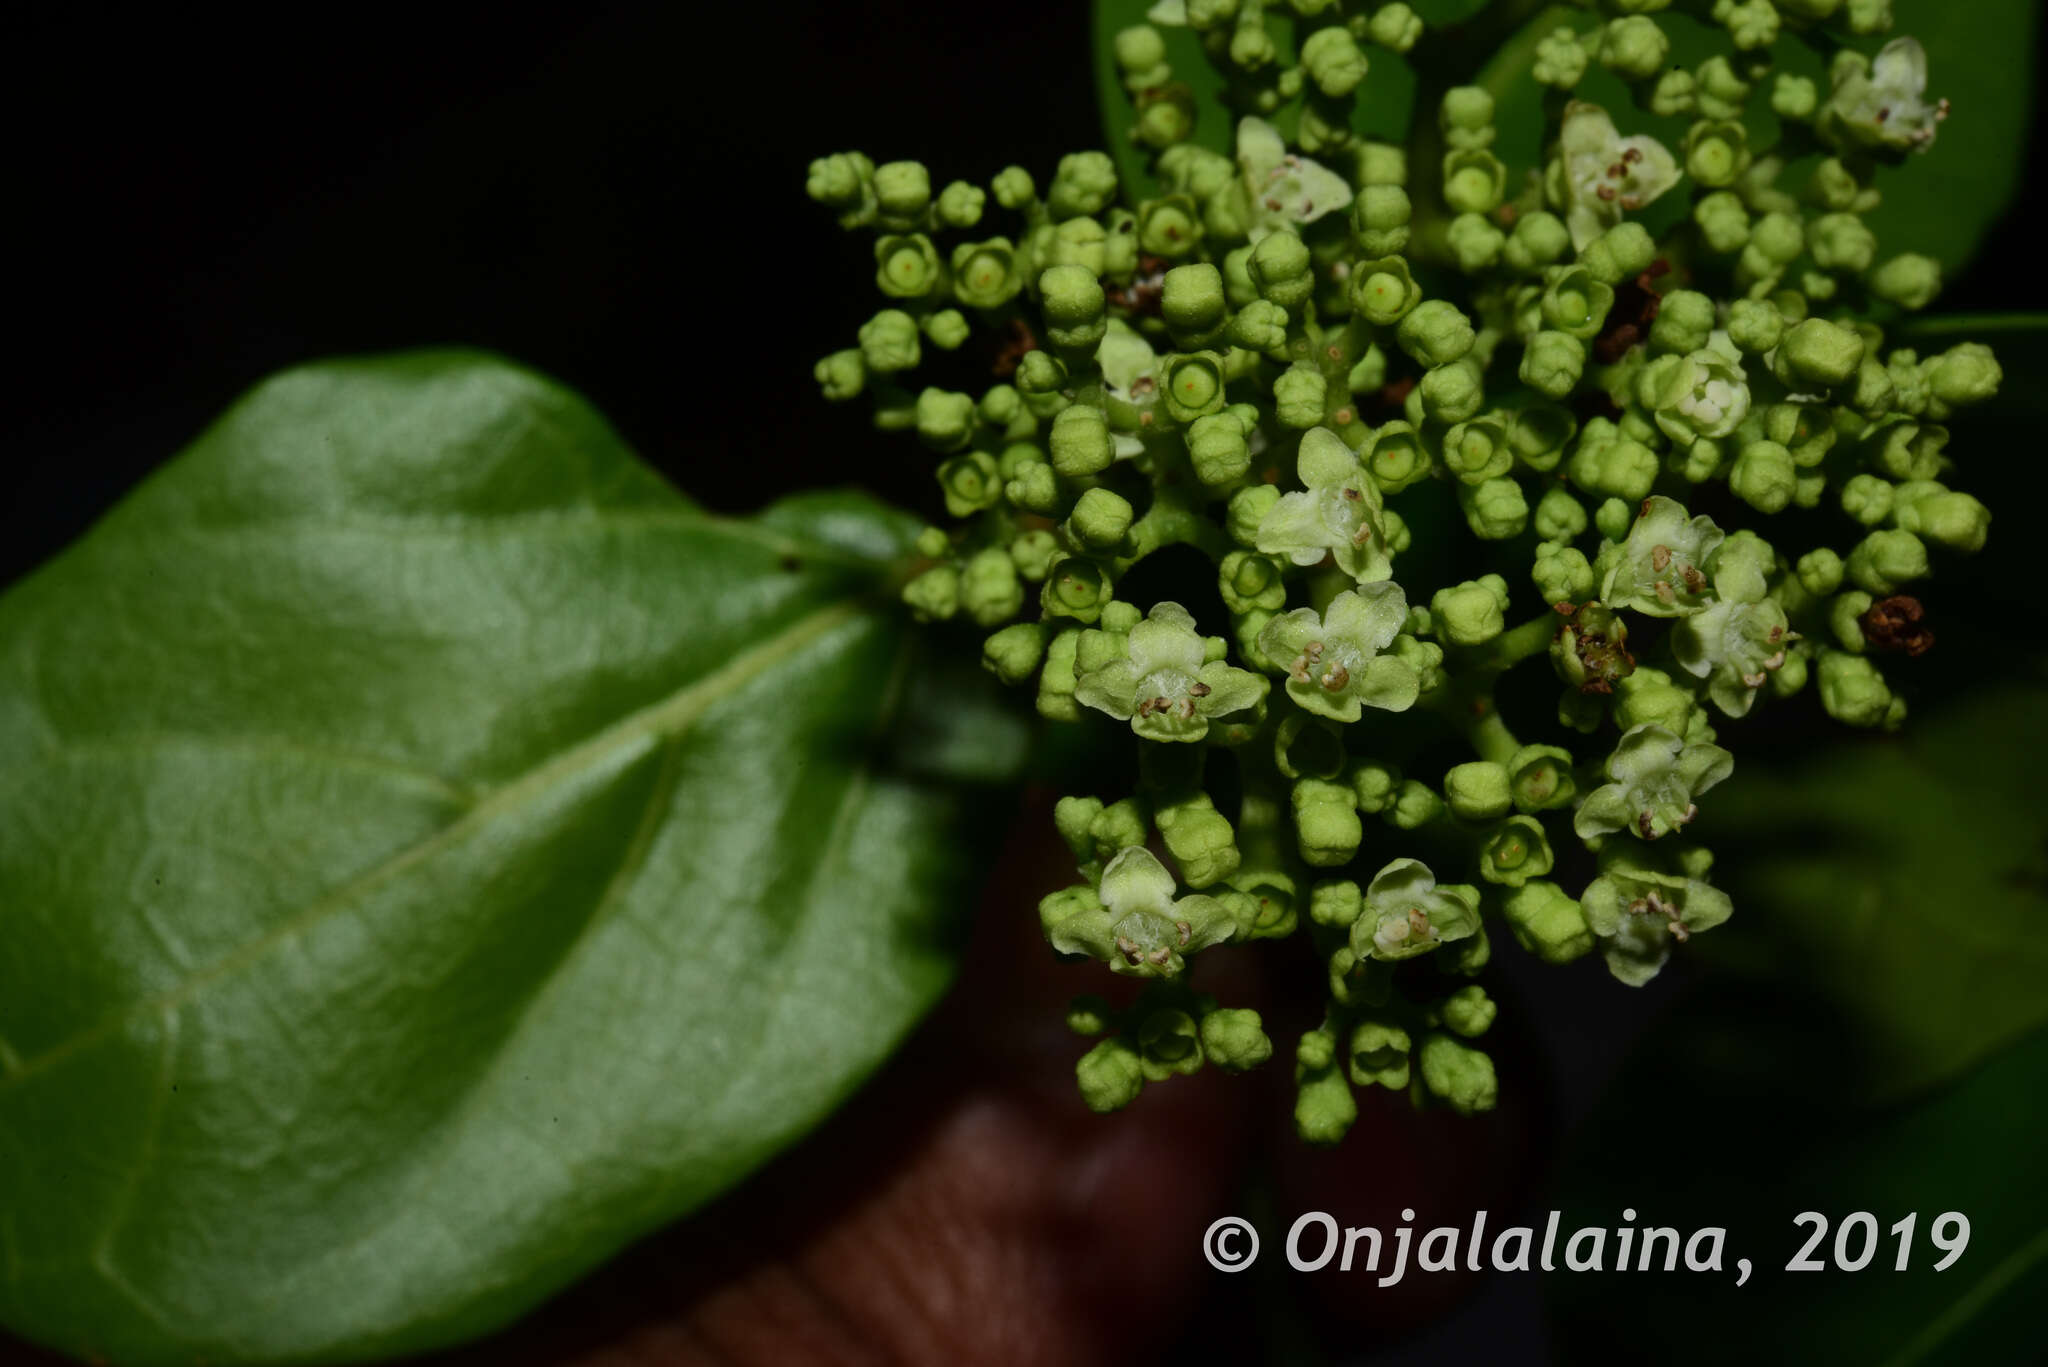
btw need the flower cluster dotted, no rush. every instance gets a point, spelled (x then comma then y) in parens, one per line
(1485, 466)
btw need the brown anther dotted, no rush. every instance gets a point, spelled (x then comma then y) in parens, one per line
(1336, 677)
(1145, 708)
(1564, 609)
(1664, 593)
(1606, 192)
(1128, 948)
(1351, 494)
(1342, 416)
(1199, 690)
(1631, 202)
(1186, 932)
(1694, 580)
(1776, 661)
(1775, 634)
(1660, 558)
(1632, 155)
(1692, 810)
(1314, 650)
(1362, 535)
(1160, 956)
(1755, 680)
(1187, 709)
(1678, 931)
(1616, 171)
(1418, 924)
(1894, 624)
(1298, 671)
(1274, 205)
(1646, 824)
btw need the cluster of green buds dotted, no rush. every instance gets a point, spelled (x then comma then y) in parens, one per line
(1494, 490)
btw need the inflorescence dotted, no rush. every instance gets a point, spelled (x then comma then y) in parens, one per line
(1606, 391)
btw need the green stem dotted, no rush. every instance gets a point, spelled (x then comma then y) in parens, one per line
(1510, 648)
(1173, 520)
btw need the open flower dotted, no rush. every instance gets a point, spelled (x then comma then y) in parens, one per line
(1333, 662)
(1637, 911)
(1885, 108)
(1339, 514)
(1166, 687)
(1407, 914)
(1702, 394)
(1735, 647)
(1656, 778)
(1605, 175)
(1285, 189)
(1133, 922)
(1660, 570)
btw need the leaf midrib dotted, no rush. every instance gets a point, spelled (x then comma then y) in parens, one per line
(667, 717)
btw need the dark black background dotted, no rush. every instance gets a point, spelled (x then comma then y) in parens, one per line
(612, 194)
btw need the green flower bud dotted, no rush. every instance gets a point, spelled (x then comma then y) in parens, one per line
(1248, 509)
(903, 189)
(1452, 393)
(1040, 373)
(1684, 323)
(1099, 519)
(1478, 791)
(934, 595)
(1841, 242)
(1886, 561)
(1379, 1054)
(844, 182)
(1217, 450)
(1376, 785)
(1013, 189)
(1716, 152)
(945, 420)
(946, 329)
(1192, 385)
(970, 483)
(1755, 325)
(1088, 1014)
(1298, 396)
(1723, 221)
(1764, 476)
(1819, 572)
(1415, 804)
(1281, 271)
(1909, 280)
(1538, 434)
(1033, 488)
(1794, 98)
(1574, 302)
(1379, 220)
(1332, 60)
(1548, 922)
(1199, 838)
(986, 275)
(1435, 333)
(1613, 518)
(1845, 619)
(989, 588)
(1553, 363)
(1474, 243)
(1110, 1076)
(1260, 325)
(1475, 452)
(1514, 853)
(1235, 1040)
(1074, 307)
(1562, 574)
(1560, 59)
(1470, 613)
(1080, 442)
(1473, 181)
(1458, 1074)
(1013, 653)
(1634, 48)
(1720, 91)
(1469, 1011)
(1559, 516)
(1335, 903)
(841, 376)
(1855, 693)
(1538, 240)
(1383, 291)
(1963, 375)
(1395, 27)
(1867, 499)
(1954, 520)
(888, 342)
(906, 267)
(1084, 184)
(1324, 1108)
(1192, 304)
(1495, 509)
(1326, 822)
(1675, 94)
(1466, 118)
(1620, 468)
(1817, 353)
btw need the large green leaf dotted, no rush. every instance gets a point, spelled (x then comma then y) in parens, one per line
(1903, 881)
(432, 854)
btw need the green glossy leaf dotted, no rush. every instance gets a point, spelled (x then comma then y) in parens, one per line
(432, 854)
(1904, 882)
(1717, 1125)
